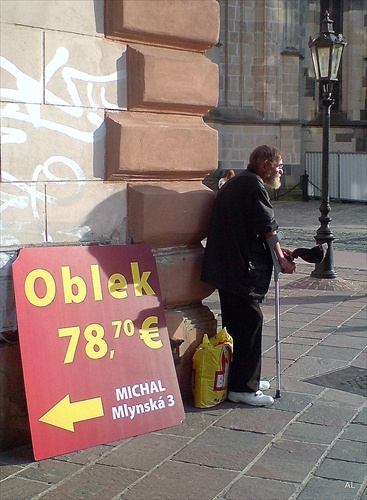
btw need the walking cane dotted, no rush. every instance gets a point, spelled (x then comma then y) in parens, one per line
(272, 241)
(314, 255)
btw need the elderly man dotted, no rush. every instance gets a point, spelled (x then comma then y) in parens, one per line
(238, 262)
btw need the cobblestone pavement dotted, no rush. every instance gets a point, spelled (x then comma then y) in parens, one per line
(311, 444)
(299, 223)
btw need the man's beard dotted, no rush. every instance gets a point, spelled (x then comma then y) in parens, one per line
(272, 181)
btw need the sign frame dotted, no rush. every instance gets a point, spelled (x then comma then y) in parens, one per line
(96, 354)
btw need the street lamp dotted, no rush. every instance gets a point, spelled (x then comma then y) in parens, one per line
(326, 52)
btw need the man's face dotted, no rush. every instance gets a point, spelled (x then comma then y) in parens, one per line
(273, 174)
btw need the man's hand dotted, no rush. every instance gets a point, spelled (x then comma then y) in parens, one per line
(287, 265)
(288, 253)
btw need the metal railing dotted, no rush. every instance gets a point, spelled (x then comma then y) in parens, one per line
(347, 176)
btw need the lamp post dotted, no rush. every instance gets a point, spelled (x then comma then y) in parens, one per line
(326, 52)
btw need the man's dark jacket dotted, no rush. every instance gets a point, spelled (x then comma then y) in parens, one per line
(237, 258)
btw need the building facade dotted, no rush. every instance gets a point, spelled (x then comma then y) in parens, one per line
(268, 93)
(103, 142)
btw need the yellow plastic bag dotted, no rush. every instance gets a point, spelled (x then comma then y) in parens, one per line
(210, 365)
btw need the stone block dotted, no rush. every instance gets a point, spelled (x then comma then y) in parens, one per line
(166, 214)
(159, 147)
(186, 24)
(52, 143)
(179, 275)
(73, 16)
(21, 70)
(87, 212)
(22, 217)
(84, 72)
(171, 80)
(67, 212)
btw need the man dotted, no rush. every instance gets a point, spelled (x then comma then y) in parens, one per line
(238, 262)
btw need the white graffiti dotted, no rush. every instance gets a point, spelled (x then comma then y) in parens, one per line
(29, 92)
(29, 103)
(39, 198)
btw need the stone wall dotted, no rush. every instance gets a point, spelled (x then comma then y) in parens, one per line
(104, 142)
(267, 90)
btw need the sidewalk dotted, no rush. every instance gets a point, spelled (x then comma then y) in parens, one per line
(311, 444)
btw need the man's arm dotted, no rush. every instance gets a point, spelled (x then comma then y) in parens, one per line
(284, 256)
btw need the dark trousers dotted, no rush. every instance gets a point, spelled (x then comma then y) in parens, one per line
(243, 320)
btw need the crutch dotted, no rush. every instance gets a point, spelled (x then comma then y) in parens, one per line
(272, 241)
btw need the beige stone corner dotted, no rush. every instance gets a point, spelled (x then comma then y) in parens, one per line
(159, 147)
(179, 271)
(187, 24)
(169, 213)
(172, 81)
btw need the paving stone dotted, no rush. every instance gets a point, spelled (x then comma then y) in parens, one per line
(181, 480)
(292, 402)
(340, 469)
(223, 448)
(328, 489)
(311, 433)
(361, 418)
(20, 489)
(288, 350)
(323, 414)
(267, 343)
(144, 452)
(194, 423)
(360, 361)
(8, 470)
(356, 432)
(269, 330)
(352, 330)
(287, 461)
(335, 397)
(268, 367)
(49, 471)
(215, 411)
(323, 351)
(316, 331)
(307, 342)
(252, 419)
(345, 341)
(309, 366)
(349, 451)
(293, 384)
(95, 481)
(87, 456)
(256, 488)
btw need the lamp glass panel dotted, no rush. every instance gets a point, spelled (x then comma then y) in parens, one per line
(324, 58)
(337, 54)
(315, 62)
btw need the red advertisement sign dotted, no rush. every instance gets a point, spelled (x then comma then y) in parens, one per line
(95, 350)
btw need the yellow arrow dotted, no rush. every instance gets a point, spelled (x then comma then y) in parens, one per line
(64, 414)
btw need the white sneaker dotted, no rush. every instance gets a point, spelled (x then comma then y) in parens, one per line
(264, 385)
(250, 398)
